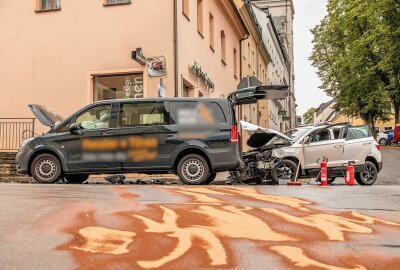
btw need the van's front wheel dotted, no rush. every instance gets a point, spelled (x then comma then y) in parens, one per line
(193, 170)
(46, 168)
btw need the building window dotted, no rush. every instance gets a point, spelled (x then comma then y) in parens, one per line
(116, 2)
(223, 51)
(211, 31)
(185, 8)
(200, 17)
(48, 5)
(118, 86)
(234, 63)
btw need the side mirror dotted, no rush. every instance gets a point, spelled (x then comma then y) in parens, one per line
(307, 140)
(73, 128)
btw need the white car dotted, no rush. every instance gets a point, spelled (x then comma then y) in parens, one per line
(276, 155)
(382, 138)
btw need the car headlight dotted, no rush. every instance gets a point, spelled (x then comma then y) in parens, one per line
(26, 142)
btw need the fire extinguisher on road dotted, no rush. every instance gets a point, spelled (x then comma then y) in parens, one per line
(324, 171)
(349, 179)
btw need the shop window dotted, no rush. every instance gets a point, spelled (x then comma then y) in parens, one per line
(200, 17)
(185, 8)
(116, 2)
(235, 63)
(223, 51)
(95, 118)
(48, 5)
(211, 31)
(143, 114)
(118, 86)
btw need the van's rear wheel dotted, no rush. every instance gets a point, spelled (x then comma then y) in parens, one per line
(76, 178)
(193, 169)
(46, 168)
(211, 178)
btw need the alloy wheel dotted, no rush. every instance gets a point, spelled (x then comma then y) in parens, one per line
(284, 172)
(369, 173)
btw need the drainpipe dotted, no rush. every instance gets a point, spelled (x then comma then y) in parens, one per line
(241, 72)
(176, 94)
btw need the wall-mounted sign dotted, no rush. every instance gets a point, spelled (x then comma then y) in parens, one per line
(196, 69)
(157, 66)
(138, 56)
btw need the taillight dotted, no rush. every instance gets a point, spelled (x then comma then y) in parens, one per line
(234, 134)
(378, 146)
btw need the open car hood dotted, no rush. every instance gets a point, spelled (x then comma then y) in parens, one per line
(44, 115)
(260, 136)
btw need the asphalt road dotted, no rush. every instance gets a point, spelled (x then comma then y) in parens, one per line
(213, 227)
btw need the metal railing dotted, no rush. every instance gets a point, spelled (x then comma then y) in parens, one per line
(13, 131)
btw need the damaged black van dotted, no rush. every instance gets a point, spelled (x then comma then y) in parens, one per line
(192, 137)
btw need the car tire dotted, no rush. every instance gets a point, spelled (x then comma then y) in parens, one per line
(76, 178)
(286, 169)
(398, 142)
(193, 169)
(369, 176)
(210, 178)
(383, 141)
(46, 168)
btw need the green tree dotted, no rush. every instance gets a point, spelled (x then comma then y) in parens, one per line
(356, 54)
(308, 116)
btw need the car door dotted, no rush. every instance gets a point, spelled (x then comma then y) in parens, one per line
(144, 135)
(323, 144)
(358, 144)
(91, 148)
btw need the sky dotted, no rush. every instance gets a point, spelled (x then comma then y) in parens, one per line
(308, 13)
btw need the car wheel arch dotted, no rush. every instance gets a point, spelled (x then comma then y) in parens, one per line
(373, 160)
(44, 151)
(192, 150)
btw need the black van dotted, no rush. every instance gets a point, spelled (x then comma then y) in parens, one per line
(192, 137)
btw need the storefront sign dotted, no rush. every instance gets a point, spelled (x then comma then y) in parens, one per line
(196, 69)
(127, 87)
(138, 56)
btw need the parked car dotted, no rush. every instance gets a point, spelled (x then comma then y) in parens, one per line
(382, 137)
(192, 137)
(276, 155)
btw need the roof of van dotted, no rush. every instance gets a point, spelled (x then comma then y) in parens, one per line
(183, 99)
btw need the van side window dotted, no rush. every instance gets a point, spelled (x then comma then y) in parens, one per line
(218, 113)
(143, 114)
(193, 112)
(95, 118)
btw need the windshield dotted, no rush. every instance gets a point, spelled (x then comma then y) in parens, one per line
(296, 134)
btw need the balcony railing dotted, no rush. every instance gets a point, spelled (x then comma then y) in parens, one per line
(13, 131)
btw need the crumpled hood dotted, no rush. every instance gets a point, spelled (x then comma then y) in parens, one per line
(260, 136)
